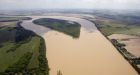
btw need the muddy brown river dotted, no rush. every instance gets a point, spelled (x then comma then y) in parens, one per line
(90, 54)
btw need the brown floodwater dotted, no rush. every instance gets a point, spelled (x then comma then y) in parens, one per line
(90, 54)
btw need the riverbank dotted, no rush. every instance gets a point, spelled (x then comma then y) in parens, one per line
(130, 50)
(132, 42)
(110, 28)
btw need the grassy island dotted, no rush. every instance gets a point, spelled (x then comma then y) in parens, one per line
(67, 27)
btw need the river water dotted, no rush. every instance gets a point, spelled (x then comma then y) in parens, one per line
(90, 54)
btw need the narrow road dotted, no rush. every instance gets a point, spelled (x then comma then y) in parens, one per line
(90, 54)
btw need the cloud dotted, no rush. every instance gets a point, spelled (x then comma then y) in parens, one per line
(106, 4)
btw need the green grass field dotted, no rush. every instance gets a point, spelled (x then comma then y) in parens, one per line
(108, 27)
(31, 46)
(70, 28)
(22, 53)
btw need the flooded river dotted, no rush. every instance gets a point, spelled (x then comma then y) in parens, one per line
(90, 54)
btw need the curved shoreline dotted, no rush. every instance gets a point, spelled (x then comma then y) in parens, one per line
(103, 60)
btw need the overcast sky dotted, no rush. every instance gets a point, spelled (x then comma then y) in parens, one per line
(64, 4)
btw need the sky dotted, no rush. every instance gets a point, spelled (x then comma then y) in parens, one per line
(69, 4)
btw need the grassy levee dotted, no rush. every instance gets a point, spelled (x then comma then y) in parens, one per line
(22, 54)
(67, 27)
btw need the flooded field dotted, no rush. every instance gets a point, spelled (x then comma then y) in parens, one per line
(132, 42)
(90, 54)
